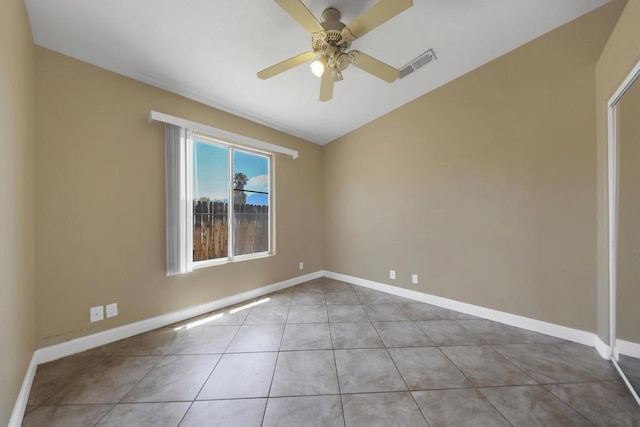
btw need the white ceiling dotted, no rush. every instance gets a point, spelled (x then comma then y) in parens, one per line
(210, 50)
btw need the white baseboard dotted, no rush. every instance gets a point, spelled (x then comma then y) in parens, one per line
(68, 348)
(603, 349)
(23, 396)
(54, 352)
(628, 348)
(558, 331)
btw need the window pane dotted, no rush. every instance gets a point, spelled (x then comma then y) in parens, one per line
(250, 203)
(210, 204)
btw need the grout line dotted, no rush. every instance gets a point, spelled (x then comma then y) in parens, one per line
(566, 404)
(275, 365)
(305, 395)
(398, 371)
(188, 409)
(105, 414)
(360, 296)
(212, 370)
(475, 387)
(543, 384)
(208, 377)
(335, 364)
(154, 365)
(511, 362)
(494, 406)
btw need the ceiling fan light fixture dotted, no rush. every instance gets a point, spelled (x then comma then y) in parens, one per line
(331, 39)
(318, 66)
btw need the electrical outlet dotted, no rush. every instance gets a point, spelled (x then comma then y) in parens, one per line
(96, 314)
(301, 265)
(112, 309)
(392, 274)
(414, 279)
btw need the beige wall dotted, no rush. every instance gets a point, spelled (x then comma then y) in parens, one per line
(486, 187)
(618, 58)
(17, 321)
(628, 279)
(100, 221)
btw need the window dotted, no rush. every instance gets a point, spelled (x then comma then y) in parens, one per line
(231, 202)
(219, 201)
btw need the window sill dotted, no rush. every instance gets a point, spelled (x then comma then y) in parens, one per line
(222, 261)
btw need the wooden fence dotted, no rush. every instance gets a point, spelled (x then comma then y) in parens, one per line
(211, 230)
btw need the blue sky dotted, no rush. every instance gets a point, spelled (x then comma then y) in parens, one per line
(255, 167)
(211, 171)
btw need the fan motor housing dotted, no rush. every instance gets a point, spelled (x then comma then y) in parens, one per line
(332, 34)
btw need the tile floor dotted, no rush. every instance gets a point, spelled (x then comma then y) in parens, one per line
(328, 353)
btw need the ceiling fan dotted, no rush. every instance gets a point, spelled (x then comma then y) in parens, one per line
(331, 43)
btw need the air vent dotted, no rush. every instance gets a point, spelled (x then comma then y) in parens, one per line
(417, 63)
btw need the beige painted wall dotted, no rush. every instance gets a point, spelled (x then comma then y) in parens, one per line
(618, 58)
(100, 224)
(483, 187)
(628, 293)
(486, 187)
(17, 320)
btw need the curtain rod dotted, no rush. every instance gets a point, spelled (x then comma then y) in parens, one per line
(220, 134)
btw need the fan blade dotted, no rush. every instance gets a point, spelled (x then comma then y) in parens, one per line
(374, 66)
(375, 16)
(301, 15)
(285, 65)
(326, 86)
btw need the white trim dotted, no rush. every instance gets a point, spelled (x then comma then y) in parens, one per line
(68, 348)
(231, 151)
(625, 85)
(227, 260)
(612, 228)
(612, 200)
(54, 352)
(48, 354)
(23, 396)
(603, 349)
(612, 196)
(617, 346)
(186, 252)
(628, 348)
(626, 381)
(221, 134)
(558, 331)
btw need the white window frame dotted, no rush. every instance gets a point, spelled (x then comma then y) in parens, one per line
(178, 187)
(221, 134)
(232, 148)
